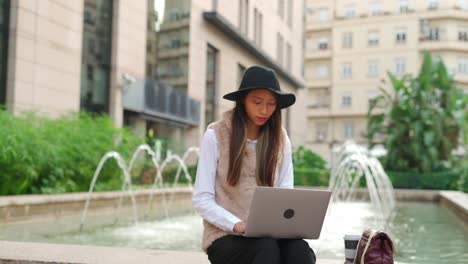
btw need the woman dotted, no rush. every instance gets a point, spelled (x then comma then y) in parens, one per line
(246, 148)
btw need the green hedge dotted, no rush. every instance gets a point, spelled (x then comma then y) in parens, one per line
(445, 180)
(40, 155)
(309, 168)
(311, 177)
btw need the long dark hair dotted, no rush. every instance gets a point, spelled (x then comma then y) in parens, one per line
(269, 144)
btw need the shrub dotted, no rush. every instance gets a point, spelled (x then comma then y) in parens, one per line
(40, 155)
(309, 168)
(444, 180)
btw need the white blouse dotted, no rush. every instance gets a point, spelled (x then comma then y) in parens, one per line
(204, 189)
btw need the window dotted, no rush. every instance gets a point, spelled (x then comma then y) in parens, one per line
(350, 11)
(95, 80)
(376, 8)
(279, 48)
(373, 68)
(346, 70)
(240, 72)
(258, 25)
(323, 44)
(463, 34)
(4, 21)
(371, 95)
(321, 131)
(463, 66)
(346, 101)
(347, 40)
(288, 57)
(210, 89)
(400, 65)
(463, 4)
(310, 8)
(290, 4)
(322, 71)
(373, 38)
(281, 8)
(433, 34)
(433, 4)
(324, 15)
(348, 131)
(400, 36)
(244, 16)
(404, 7)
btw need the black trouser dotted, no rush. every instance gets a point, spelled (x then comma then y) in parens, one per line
(232, 249)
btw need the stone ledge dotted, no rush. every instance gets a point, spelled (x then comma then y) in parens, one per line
(457, 202)
(20, 200)
(28, 253)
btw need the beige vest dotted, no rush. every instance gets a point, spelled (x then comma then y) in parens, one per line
(235, 199)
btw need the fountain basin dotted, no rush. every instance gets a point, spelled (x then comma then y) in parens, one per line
(55, 219)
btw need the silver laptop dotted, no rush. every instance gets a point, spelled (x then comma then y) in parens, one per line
(287, 213)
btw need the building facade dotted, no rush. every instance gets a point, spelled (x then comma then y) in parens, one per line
(152, 65)
(350, 47)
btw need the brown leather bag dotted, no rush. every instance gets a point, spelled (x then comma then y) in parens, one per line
(375, 247)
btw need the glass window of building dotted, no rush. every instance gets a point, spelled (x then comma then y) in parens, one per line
(373, 68)
(463, 4)
(463, 34)
(151, 40)
(281, 8)
(373, 38)
(258, 21)
(324, 14)
(463, 66)
(346, 101)
(240, 72)
(322, 71)
(350, 11)
(173, 41)
(244, 16)
(376, 8)
(400, 36)
(321, 131)
(346, 70)
(288, 57)
(290, 13)
(211, 72)
(348, 131)
(400, 65)
(4, 24)
(96, 56)
(279, 48)
(347, 40)
(404, 6)
(323, 43)
(433, 4)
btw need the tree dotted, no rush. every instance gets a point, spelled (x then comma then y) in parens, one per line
(423, 119)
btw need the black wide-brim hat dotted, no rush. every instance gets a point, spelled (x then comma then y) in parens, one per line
(258, 77)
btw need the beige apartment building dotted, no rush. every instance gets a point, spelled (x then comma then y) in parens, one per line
(350, 46)
(60, 56)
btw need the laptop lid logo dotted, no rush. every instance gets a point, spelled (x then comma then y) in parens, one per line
(289, 213)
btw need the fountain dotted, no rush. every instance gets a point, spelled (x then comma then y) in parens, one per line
(127, 183)
(353, 163)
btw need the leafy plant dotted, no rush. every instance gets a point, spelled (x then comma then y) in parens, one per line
(309, 168)
(40, 155)
(423, 119)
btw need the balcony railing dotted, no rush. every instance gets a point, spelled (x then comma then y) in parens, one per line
(156, 99)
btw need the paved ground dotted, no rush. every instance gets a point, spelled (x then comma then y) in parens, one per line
(58, 253)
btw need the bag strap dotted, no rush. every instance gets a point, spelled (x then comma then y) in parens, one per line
(374, 232)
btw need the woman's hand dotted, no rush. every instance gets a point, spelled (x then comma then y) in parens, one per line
(239, 227)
